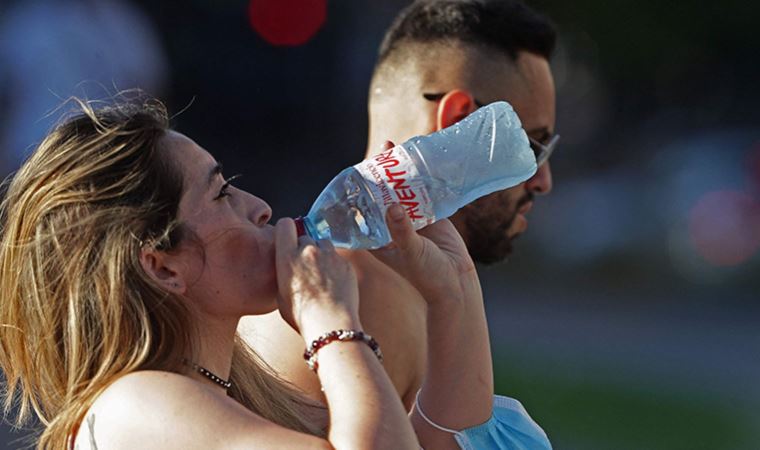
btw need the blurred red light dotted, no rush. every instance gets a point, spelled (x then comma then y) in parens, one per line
(287, 22)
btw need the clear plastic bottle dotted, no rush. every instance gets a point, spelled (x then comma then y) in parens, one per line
(430, 176)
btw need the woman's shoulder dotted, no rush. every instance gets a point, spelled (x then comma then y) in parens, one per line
(148, 409)
(152, 390)
(151, 381)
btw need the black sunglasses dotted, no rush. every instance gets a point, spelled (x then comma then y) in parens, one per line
(541, 150)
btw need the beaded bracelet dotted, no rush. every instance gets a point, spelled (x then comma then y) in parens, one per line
(310, 354)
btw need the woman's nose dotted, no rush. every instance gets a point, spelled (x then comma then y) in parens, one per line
(262, 212)
(259, 211)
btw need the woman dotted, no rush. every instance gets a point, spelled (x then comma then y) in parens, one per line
(126, 262)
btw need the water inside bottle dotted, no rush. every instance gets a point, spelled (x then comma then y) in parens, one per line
(347, 215)
(486, 152)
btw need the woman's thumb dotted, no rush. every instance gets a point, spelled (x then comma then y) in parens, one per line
(400, 227)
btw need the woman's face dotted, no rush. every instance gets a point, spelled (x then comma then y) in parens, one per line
(229, 253)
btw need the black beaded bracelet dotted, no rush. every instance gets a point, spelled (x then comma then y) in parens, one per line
(310, 354)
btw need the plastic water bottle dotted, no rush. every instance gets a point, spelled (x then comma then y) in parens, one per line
(430, 176)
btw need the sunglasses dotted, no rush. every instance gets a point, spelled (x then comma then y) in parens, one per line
(542, 150)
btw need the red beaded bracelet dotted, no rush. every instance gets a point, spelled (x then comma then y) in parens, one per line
(310, 354)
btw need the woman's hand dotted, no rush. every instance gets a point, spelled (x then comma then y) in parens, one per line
(319, 293)
(434, 259)
(318, 290)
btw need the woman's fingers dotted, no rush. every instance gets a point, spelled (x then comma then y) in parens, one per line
(401, 230)
(325, 244)
(287, 247)
(285, 236)
(317, 288)
(304, 240)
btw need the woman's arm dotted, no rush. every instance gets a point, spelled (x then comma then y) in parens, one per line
(319, 294)
(390, 309)
(152, 409)
(160, 410)
(458, 389)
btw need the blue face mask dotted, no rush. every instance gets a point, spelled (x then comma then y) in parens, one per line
(510, 428)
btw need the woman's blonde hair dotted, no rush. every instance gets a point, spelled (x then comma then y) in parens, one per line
(77, 311)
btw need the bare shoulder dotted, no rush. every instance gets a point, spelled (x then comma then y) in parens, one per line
(149, 382)
(143, 408)
(372, 273)
(391, 310)
(151, 392)
(153, 409)
(281, 347)
(384, 293)
(394, 313)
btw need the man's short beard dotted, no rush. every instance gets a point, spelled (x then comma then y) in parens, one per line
(487, 240)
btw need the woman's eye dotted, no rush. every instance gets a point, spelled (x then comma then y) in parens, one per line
(223, 192)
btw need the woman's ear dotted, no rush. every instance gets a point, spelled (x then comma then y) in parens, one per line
(453, 107)
(164, 269)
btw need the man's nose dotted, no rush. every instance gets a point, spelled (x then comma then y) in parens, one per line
(541, 182)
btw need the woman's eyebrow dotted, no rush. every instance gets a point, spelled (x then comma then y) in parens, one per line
(216, 170)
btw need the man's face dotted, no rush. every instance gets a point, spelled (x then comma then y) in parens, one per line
(489, 224)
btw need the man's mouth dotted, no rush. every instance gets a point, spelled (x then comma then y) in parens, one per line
(525, 204)
(525, 208)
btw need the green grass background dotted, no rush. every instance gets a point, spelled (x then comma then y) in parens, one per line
(603, 414)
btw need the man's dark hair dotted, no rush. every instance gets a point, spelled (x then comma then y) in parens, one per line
(505, 25)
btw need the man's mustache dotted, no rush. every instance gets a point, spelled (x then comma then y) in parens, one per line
(528, 197)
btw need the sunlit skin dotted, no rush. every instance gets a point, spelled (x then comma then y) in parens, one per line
(233, 227)
(489, 220)
(226, 266)
(235, 274)
(398, 112)
(225, 261)
(390, 308)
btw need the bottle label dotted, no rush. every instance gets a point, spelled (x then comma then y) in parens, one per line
(393, 178)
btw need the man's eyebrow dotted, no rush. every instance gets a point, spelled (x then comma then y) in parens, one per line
(216, 170)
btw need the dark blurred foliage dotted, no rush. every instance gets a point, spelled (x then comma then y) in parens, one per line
(632, 78)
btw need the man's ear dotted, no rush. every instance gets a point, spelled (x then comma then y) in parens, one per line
(164, 269)
(453, 107)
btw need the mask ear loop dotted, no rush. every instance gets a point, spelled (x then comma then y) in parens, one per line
(427, 419)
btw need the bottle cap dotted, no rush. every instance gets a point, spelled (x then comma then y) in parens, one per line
(300, 228)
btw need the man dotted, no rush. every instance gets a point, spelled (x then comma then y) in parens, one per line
(438, 62)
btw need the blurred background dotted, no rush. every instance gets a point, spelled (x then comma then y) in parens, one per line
(628, 316)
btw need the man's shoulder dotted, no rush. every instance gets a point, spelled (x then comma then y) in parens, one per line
(393, 312)
(377, 281)
(390, 309)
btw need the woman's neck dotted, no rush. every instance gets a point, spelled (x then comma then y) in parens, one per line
(215, 344)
